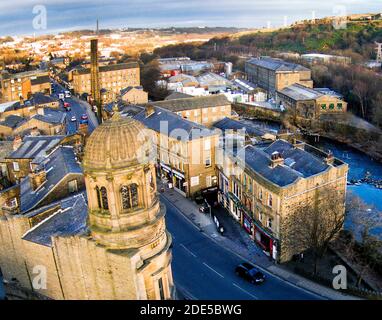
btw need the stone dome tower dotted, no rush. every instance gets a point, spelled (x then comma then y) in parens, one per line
(125, 214)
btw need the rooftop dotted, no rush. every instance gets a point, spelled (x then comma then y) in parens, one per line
(35, 147)
(277, 65)
(169, 123)
(299, 92)
(51, 116)
(12, 121)
(69, 219)
(297, 163)
(57, 165)
(110, 67)
(230, 124)
(191, 103)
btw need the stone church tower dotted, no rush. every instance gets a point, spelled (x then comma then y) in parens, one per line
(125, 214)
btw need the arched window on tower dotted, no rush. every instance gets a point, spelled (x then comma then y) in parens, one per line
(98, 197)
(134, 195)
(104, 201)
(125, 193)
(129, 196)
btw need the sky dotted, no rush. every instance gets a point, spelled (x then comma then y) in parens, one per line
(19, 17)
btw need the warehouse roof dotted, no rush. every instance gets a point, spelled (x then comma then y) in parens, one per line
(176, 105)
(299, 92)
(277, 65)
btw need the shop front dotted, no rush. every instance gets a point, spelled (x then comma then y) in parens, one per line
(223, 197)
(234, 206)
(265, 240)
(179, 182)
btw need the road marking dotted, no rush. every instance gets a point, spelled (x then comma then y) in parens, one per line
(245, 291)
(213, 269)
(188, 250)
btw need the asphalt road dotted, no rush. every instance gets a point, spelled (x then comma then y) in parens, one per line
(78, 108)
(202, 269)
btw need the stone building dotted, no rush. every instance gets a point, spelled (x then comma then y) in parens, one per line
(112, 78)
(203, 110)
(276, 74)
(24, 84)
(46, 122)
(29, 107)
(134, 95)
(186, 151)
(309, 103)
(112, 242)
(261, 186)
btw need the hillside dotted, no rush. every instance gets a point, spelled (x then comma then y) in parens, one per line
(356, 40)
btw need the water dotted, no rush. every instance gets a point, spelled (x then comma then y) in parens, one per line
(2, 292)
(359, 163)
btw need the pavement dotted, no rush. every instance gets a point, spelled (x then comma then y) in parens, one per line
(236, 241)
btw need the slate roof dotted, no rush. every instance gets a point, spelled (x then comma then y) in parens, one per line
(176, 105)
(35, 147)
(299, 92)
(111, 67)
(127, 89)
(329, 92)
(51, 116)
(40, 80)
(171, 121)
(227, 124)
(177, 95)
(60, 163)
(276, 65)
(297, 163)
(12, 121)
(36, 99)
(69, 220)
(124, 108)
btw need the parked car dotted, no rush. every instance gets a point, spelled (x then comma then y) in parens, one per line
(73, 119)
(67, 94)
(250, 273)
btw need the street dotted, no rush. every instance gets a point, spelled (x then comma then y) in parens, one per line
(204, 270)
(78, 108)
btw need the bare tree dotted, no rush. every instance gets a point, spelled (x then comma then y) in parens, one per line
(364, 248)
(315, 224)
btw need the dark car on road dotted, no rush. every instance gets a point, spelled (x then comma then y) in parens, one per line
(250, 273)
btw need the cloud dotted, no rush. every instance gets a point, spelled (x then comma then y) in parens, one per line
(16, 15)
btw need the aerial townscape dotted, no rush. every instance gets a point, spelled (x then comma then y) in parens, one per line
(191, 163)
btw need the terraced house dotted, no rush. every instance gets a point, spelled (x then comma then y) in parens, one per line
(261, 186)
(186, 151)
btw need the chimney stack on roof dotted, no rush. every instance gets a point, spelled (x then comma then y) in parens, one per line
(149, 110)
(276, 159)
(329, 160)
(17, 142)
(37, 178)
